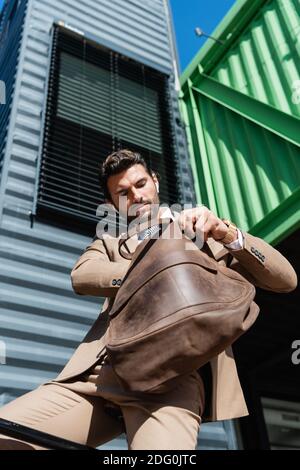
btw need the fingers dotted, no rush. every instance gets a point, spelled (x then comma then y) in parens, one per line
(186, 222)
(203, 226)
(199, 223)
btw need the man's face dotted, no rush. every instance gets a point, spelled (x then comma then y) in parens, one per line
(136, 187)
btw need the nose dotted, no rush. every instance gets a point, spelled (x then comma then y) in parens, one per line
(136, 196)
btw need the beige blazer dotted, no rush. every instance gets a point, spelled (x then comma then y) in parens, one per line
(100, 267)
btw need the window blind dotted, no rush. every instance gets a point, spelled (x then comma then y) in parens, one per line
(99, 101)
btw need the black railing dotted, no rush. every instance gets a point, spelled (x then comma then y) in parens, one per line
(33, 436)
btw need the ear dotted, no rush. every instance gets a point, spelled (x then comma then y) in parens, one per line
(156, 182)
(154, 177)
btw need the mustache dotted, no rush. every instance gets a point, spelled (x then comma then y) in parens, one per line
(136, 206)
(140, 204)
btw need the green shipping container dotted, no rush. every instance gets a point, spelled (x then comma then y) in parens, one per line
(240, 102)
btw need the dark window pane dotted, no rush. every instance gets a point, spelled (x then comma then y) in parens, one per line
(98, 101)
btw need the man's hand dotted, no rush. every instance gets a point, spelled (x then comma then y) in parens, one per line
(202, 222)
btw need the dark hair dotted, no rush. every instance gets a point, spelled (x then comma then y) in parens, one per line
(117, 162)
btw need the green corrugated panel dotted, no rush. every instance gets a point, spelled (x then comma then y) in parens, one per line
(241, 122)
(265, 61)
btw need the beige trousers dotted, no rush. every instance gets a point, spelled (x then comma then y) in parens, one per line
(78, 410)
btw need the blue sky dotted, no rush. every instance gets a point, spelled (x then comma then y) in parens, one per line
(187, 15)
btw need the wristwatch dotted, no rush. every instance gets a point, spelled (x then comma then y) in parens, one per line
(231, 234)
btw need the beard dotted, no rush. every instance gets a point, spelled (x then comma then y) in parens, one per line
(144, 211)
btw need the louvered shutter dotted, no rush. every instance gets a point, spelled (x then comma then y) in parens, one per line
(98, 101)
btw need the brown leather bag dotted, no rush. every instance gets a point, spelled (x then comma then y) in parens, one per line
(175, 310)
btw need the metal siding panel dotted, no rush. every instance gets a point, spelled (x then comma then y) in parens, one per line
(264, 63)
(244, 159)
(105, 25)
(237, 153)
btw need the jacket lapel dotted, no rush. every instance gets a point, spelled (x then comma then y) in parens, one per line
(131, 243)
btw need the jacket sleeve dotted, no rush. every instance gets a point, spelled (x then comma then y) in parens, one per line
(95, 274)
(263, 265)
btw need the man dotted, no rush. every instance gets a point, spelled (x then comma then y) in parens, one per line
(85, 402)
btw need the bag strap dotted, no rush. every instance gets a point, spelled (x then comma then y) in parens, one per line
(134, 230)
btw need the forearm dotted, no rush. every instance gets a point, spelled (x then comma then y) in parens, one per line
(263, 265)
(95, 274)
(93, 277)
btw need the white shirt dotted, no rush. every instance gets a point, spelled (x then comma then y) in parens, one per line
(235, 245)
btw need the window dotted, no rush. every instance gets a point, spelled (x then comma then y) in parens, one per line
(98, 101)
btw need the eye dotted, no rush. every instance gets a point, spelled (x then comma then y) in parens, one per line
(141, 183)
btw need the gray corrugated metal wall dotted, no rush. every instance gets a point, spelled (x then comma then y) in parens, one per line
(41, 319)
